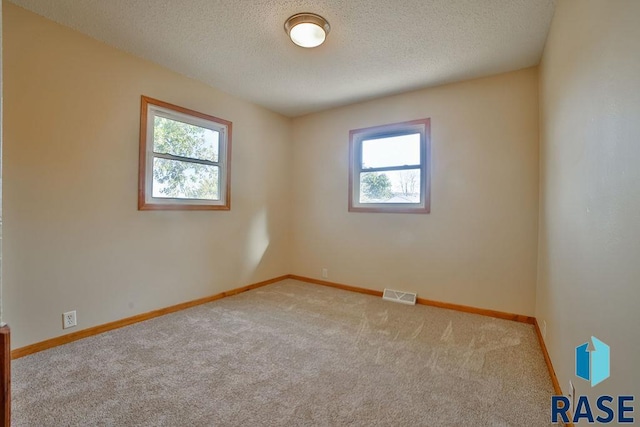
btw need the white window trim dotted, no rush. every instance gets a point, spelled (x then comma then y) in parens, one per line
(356, 137)
(152, 108)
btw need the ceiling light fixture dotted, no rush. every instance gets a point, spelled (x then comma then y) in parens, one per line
(307, 29)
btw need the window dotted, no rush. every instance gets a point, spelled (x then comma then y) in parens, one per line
(389, 168)
(185, 159)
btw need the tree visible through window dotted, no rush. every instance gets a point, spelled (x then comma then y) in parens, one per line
(182, 179)
(184, 158)
(389, 170)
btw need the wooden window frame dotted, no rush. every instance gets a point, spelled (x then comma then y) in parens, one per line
(146, 201)
(356, 136)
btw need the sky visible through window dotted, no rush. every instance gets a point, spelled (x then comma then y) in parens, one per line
(394, 151)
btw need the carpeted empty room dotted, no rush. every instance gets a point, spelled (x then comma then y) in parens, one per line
(292, 353)
(319, 213)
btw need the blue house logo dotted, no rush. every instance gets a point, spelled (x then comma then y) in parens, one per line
(593, 365)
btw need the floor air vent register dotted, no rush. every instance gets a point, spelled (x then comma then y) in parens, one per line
(400, 296)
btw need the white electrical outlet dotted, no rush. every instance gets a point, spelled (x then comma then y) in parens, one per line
(544, 329)
(69, 319)
(325, 273)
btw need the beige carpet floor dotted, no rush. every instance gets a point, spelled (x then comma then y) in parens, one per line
(292, 353)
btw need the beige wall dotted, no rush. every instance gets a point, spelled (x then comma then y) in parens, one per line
(589, 248)
(478, 245)
(73, 236)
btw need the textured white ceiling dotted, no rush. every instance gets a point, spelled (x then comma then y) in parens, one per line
(375, 48)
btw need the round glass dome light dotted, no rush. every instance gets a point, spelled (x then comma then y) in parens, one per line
(307, 29)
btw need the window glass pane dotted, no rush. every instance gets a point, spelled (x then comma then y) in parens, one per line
(401, 186)
(182, 139)
(393, 151)
(185, 180)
